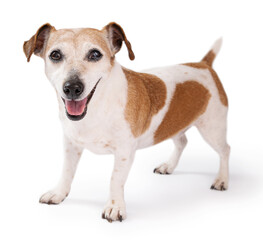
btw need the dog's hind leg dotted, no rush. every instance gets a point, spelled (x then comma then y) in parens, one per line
(169, 166)
(72, 154)
(213, 130)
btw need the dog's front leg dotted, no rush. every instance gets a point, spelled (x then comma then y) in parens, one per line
(115, 208)
(72, 154)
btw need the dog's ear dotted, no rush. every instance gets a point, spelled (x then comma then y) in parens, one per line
(37, 42)
(116, 36)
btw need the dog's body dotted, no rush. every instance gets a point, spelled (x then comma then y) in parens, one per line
(110, 109)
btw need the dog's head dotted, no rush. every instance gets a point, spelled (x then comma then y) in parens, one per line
(76, 60)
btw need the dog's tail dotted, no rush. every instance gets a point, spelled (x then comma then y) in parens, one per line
(210, 56)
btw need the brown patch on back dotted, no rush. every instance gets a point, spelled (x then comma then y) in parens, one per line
(146, 96)
(189, 101)
(220, 88)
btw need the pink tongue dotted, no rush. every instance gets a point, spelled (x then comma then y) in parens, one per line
(75, 107)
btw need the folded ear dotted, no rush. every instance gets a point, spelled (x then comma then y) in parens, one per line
(37, 42)
(116, 36)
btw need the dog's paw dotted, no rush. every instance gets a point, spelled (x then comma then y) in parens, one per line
(114, 212)
(53, 197)
(220, 185)
(165, 168)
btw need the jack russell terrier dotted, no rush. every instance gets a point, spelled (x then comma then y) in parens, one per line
(107, 108)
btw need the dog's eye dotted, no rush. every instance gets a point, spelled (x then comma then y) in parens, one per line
(55, 56)
(94, 55)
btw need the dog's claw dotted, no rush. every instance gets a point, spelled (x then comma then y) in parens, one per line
(220, 186)
(119, 217)
(53, 197)
(164, 169)
(114, 213)
(159, 172)
(110, 220)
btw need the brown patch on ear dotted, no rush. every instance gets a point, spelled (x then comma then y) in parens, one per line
(220, 88)
(116, 36)
(36, 43)
(189, 101)
(146, 96)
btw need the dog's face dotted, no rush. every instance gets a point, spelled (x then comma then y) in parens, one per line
(76, 60)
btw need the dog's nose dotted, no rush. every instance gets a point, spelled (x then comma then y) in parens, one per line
(73, 89)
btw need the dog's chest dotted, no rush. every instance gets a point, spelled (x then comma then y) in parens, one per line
(99, 131)
(95, 138)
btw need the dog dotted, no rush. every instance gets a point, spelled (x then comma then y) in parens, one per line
(109, 109)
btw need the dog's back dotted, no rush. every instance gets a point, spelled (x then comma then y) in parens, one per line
(193, 92)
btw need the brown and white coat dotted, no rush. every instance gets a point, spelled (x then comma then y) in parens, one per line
(130, 110)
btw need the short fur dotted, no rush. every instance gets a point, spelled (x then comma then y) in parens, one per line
(146, 96)
(128, 110)
(189, 101)
(205, 65)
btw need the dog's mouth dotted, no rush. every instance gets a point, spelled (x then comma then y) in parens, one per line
(77, 109)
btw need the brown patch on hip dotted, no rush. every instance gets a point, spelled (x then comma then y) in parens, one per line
(220, 88)
(189, 101)
(146, 96)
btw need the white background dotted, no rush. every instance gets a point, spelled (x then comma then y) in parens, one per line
(179, 206)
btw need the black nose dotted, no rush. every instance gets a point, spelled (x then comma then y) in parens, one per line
(73, 89)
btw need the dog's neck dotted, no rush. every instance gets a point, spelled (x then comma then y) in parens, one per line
(112, 90)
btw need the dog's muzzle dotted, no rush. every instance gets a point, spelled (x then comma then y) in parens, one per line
(76, 109)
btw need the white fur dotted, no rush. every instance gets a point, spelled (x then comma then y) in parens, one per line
(105, 130)
(217, 45)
